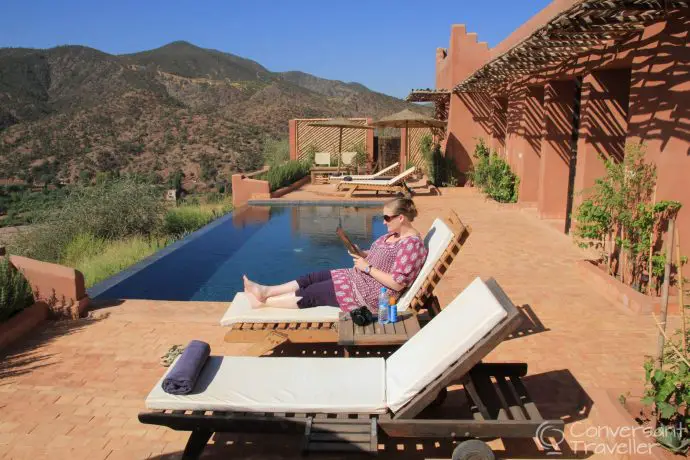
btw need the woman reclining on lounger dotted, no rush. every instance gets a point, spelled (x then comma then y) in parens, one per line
(393, 261)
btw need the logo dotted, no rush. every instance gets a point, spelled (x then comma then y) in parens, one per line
(550, 438)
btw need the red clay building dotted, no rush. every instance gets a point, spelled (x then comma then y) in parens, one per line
(569, 87)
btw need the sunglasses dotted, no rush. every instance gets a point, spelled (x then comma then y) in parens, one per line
(389, 218)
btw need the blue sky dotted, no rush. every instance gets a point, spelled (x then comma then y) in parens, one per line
(387, 45)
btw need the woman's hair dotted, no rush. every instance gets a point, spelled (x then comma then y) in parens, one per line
(403, 206)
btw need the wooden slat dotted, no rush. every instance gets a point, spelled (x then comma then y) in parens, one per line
(340, 436)
(341, 427)
(421, 428)
(411, 325)
(307, 335)
(346, 332)
(471, 389)
(523, 396)
(339, 447)
(508, 398)
(369, 329)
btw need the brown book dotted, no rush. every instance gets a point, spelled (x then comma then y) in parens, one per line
(348, 243)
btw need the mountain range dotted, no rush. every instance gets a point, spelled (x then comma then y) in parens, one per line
(71, 111)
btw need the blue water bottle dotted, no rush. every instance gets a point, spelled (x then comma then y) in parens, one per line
(383, 306)
(392, 312)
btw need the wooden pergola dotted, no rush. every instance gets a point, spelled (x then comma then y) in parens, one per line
(587, 26)
(440, 98)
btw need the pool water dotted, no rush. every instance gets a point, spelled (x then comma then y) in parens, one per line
(271, 244)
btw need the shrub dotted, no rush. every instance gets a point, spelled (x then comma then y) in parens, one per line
(175, 180)
(286, 174)
(310, 154)
(360, 158)
(667, 391)
(619, 219)
(114, 209)
(426, 145)
(186, 219)
(100, 259)
(276, 152)
(492, 175)
(15, 291)
(439, 168)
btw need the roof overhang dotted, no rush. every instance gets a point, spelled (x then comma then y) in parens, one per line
(586, 26)
(428, 95)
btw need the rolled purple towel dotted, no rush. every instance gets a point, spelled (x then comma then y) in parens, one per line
(182, 377)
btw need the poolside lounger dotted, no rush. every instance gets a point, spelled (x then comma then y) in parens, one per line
(444, 240)
(328, 401)
(394, 185)
(365, 176)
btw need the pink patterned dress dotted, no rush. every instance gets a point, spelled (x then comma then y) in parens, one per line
(402, 259)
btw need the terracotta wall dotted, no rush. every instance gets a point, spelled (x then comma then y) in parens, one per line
(499, 124)
(603, 126)
(62, 288)
(470, 114)
(637, 91)
(559, 104)
(659, 110)
(444, 78)
(244, 188)
(525, 125)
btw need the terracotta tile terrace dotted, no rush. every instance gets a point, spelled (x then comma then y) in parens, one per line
(73, 389)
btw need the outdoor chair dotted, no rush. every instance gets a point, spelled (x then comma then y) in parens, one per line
(347, 157)
(322, 159)
(443, 241)
(394, 185)
(365, 176)
(340, 404)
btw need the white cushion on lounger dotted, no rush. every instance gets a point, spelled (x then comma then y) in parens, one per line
(395, 180)
(241, 311)
(432, 350)
(437, 243)
(250, 384)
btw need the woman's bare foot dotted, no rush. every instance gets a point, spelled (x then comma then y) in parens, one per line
(253, 301)
(257, 290)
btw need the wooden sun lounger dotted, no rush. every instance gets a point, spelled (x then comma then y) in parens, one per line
(345, 332)
(365, 176)
(496, 401)
(394, 185)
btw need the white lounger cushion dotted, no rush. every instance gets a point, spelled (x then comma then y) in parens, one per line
(394, 181)
(240, 310)
(344, 385)
(436, 241)
(432, 350)
(365, 176)
(250, 384)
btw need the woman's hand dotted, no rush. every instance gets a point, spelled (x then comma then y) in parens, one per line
(366, 253)
(360, 263)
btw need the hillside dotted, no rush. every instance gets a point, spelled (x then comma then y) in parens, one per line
(72, 111)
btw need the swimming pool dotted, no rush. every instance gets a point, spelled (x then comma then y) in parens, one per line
(271, 244)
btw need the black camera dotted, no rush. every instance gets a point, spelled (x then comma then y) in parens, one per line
(361, 316)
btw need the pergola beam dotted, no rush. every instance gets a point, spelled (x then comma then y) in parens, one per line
(585, 26)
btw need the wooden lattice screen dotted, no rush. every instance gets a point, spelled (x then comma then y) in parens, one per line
(326, 139)
(415, 156)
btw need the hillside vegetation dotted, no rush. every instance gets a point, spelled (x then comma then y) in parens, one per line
(69, 112)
